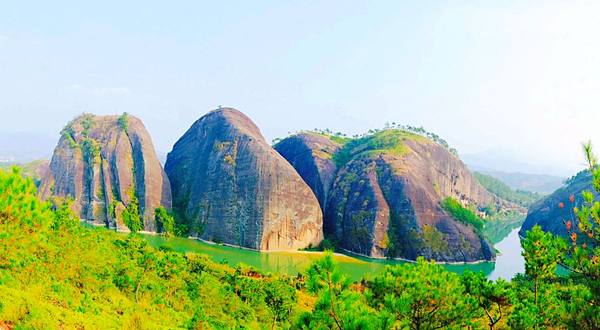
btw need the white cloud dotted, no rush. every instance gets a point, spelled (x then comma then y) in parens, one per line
(100, 91)
(4, 37)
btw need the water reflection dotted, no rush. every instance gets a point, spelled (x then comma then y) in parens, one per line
(292, 263)
(508, 263)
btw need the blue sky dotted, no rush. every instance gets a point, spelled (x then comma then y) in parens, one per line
(522, 76)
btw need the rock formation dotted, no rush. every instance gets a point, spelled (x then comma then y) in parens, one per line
(108, 166)
(42, 167)
(385, 200)
(312, 156)
(549, 215)
(229, 185)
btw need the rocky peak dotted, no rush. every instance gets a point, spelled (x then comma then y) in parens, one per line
(108, 166)
(229, 185)
(385, 197)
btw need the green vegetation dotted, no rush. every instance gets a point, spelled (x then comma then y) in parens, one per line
(123, 121)
(339, 305)
(582, 254)
(582, 176)
(51, 278)
(421, 296)
(540, 252)
(91, 151)
(498, 226)
(87, 122)
(28, 169)
(131, 215)
(338, 137)
(165, 221)
(502, 190)
(435, 239)
(459, 213)
(68, 135)
(491, 298)
(389, 139)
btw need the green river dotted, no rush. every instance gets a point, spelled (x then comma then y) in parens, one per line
(508, 263)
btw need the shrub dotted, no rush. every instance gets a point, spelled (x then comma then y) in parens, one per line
(459, 213)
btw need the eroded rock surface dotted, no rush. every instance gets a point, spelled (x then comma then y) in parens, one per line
(547, 212)
(104, 163)
(312, 156)
(229, 185)
(386, 201)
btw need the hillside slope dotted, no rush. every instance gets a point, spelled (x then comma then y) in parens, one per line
(547, 212)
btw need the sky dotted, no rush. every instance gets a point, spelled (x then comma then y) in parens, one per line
(516, 78)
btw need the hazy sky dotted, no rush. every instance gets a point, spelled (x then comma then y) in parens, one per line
(523, 76)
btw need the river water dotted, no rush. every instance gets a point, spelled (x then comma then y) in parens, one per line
(508, 263)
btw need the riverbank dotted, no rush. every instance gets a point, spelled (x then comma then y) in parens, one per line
(507, 264)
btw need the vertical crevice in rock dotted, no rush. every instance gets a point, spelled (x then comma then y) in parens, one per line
(107, 199)
(139, 182)
(97, 167)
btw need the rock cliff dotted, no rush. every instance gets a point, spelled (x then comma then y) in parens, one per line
(549, 215)
(229, 185)
(312, 156)
(385, 200)
(108, 166)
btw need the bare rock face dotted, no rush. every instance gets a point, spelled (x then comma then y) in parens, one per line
(229, 185)
(312, 156)
(42, 166)
(549, 215)
(386, 201)
(108, 165)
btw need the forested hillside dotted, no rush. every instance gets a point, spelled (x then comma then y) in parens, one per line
(50, 278)
(502, 190)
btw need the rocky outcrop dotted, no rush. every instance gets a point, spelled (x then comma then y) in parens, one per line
(108, 166)
(312, 156)
(229, 185)
(547, 212)
(386, 200)
(42, 167)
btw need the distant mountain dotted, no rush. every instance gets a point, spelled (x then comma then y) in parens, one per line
(503, 160)
(504, 191)
(539, 183)
(518, 175)
(25, 147)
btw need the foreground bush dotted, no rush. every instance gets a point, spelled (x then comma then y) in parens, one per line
(55, 274)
